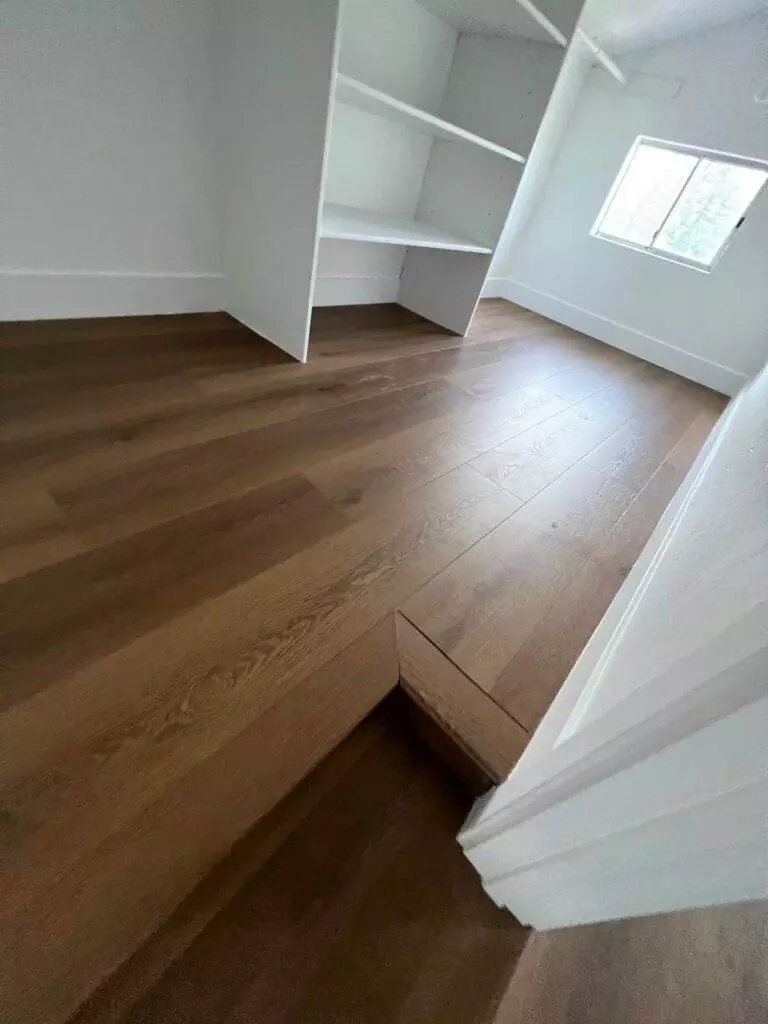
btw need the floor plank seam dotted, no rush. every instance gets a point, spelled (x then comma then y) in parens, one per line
(459, 669)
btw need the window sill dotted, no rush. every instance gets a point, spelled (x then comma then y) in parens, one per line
(659, 255)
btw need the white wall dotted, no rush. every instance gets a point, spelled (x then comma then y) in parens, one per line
(711, 327)
(107, 205)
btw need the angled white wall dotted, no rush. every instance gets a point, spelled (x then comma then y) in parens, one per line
(710, 327)
(107, 204)
(276, 62)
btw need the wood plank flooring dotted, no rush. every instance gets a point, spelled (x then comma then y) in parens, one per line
(351, 902)
(202, 539)
(706, 966)
(360, 908)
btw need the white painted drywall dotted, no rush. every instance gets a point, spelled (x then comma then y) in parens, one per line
(276, 64)
(621, 25)
(399, 47)
(711, 327)
(645, 788)
(107, 199)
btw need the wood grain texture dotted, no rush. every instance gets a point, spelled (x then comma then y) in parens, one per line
(124, 884)
(197, 529)
(89, 606)
(531, 679)
(516, 610)
(135, 978)
(707, 966)
(481, 609)
(366, 911)
(486, 731)
(33, 531)
(351, 902)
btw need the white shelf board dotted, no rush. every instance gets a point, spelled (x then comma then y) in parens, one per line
(354, 225)
(365, 97)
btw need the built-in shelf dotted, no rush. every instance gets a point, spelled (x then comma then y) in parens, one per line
(356, 225)
(349, 90)
(603, 58)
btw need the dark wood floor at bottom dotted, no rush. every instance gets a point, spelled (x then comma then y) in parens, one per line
(366, 911)
(351, 903)
(706, 966)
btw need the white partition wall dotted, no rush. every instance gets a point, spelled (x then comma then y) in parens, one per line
(276, 61)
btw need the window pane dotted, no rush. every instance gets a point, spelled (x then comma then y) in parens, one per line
(713, 201)
(646, 194)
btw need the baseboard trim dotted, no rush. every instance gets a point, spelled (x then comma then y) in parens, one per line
(703, 371)
(494, 288)
(55, 294)
(354, 291)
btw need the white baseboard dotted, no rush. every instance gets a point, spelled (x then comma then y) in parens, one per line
(54, 294)
(354, 291)
(494, 288)
(653, 350)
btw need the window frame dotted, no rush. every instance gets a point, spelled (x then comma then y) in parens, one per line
(714, 155)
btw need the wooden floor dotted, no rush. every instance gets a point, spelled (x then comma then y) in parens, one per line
(203, 548)
(353, 903)
(364, 909)
(706, 966)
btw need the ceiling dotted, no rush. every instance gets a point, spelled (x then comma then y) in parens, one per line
(618, 25)
(632, 24)
(505, 17)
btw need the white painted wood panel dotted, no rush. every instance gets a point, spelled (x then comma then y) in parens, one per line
(378, 163)
(399, 47)
(356, 225)
(695, 772)
(444, 287)
(352, 91)
(645, 788)
(498, 88)
(375, 163)
(542, 152)
(737, 873)
(354, 273)
(277, 59)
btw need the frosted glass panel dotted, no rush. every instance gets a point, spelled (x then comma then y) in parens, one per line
(709, 209)
(650, 186)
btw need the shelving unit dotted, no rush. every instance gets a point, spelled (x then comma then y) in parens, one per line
(381, 149)
(355, 225)
(364, 97)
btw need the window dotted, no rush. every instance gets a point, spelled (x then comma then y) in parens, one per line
(678, 202)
